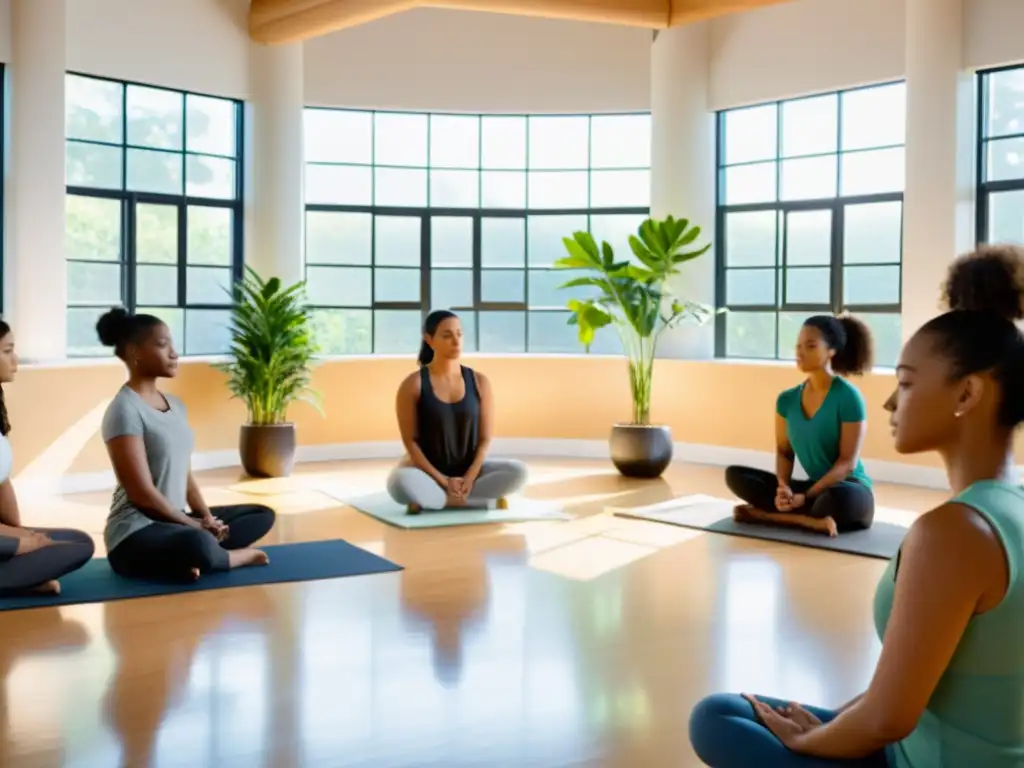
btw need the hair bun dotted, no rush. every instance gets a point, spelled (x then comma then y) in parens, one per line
(991, 279)
(111, 325)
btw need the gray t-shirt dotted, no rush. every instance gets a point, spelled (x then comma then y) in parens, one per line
(168, 440)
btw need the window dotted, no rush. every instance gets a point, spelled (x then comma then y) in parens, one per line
(1000, 206)
(406, 213)
(810, 218)
(154, 211)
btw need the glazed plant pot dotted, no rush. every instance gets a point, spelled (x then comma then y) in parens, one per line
(267, 450)
(643, 451)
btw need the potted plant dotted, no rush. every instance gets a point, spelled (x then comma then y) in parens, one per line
(271, 356)
(635, 297)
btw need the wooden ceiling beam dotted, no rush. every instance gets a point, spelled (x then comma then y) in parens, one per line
(277, 22)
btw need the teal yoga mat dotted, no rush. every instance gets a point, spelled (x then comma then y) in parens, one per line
(707, 513)
(307, 561)
(384, 508)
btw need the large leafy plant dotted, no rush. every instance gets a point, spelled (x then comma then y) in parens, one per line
(272, 348)
(634, 296)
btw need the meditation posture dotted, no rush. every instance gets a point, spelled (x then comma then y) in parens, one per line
(159, 527)
(822, 423)
(948, 689)
(446, 416)
(31, 559)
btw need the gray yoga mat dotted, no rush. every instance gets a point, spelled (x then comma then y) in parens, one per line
(707, 513)
(384, 508)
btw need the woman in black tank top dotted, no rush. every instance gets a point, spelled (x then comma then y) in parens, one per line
(445, 419)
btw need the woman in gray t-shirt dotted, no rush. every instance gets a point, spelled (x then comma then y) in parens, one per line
(159, 525)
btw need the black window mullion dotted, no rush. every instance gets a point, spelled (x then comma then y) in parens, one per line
(182, 219)
(129, 240)
(426, 224)
(837, 256)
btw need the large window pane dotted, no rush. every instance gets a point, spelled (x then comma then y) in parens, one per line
(545, 234)
(550, 333)
(397, 331)
(751, 134)
(744, 184)
(613, 228)
(210, 177)
(400, 139)
(92, 282)
(1005, 159)
(503, 142)
(81, 330)
(502, 331)
(559, 143)
(156, 286)
(503, 242)
(156, 235)
(1005, 103)
(338, 136)
(871, 285)
(873, 233)
(503, 285)
(808, 285)
(93, 228)
(750, 334)
(451, 288)
(1006, 217)
(557, 189)
(810, 126)
(208, 285)
(620, 141)
(400, 187)
(343, 331)
(503, 189)
(398, 241)
(750, 287)
(808, 237)
(338, 238)
(93, 165)
(872, 173)
(207, 331)
(339, 185)
(454, 189)
(545, 291)
(339, 286)
(210, 235)
(620, 189)
(94, 109)
(454, 141)
(874, 117)
(155, 117)
(750, 239)
(396, 285)
(451, 241)
(150, 171)
(809, 178)
(212, 125)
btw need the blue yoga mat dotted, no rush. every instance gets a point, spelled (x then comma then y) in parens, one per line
(308, 561)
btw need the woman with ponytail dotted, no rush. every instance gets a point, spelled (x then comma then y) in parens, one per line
(446, 419)
(31, 559)
(820, 422)
(948, 689)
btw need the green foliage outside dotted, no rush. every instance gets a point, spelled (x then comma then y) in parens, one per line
(272, 349)
(635, 298)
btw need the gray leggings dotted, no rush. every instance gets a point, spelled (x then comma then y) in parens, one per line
(498, 478)
(19, 573)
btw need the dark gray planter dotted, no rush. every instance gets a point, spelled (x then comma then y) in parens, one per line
(267, 450)
(641, 451)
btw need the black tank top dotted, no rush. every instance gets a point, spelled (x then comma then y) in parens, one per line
(448, 433)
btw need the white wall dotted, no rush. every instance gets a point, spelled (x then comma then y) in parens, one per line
(199, 45)
(993, 33)
(464, 61)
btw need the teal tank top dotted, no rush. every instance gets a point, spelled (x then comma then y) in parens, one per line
(975, 718)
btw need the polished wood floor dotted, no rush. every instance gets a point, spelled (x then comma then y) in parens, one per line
(550, 644)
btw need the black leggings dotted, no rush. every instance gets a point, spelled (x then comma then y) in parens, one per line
(19, 573)
(849, 503)
(169, 551)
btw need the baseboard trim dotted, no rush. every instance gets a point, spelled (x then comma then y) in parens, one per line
(714, 455)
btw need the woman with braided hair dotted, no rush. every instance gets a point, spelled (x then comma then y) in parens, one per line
(822, 423)
(31, 559)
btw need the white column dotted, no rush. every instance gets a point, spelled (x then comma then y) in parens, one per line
(35, 267)
(275, 189)
(938, 208)
(683, 167)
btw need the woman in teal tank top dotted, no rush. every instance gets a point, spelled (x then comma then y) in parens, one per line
(948, 690)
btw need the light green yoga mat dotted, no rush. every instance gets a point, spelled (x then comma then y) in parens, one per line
(383, 507)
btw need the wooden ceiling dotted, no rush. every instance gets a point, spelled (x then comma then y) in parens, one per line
(276, 22)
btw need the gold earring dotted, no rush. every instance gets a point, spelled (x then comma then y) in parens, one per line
(958, 414)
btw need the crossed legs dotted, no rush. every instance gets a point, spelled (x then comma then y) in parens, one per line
(169, 552)
(411, 486)
(23, 573)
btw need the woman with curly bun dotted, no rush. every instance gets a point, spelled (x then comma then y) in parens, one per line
(160, 527)
(822, 423)
(948, 689)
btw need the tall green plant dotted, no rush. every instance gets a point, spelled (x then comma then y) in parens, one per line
(272, 348)
(634, 297)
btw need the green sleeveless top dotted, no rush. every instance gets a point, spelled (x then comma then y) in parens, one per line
(975, 718)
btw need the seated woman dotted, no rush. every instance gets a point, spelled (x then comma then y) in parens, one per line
(822, 423)
(160, 527)
(446, 417)
(948, 688)
(31, 559)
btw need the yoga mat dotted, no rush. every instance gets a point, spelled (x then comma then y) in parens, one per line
(384, 508)
(308, 561)
(707, 513)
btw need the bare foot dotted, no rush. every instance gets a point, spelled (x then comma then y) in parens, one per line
(743, 513)
(195, 574)
(241, 558)
(828, 525)
(454, 501)
(48, 588)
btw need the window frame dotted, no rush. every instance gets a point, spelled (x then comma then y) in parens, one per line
(984, 189)
(836, 205)
(477, 214)
(130, 200)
